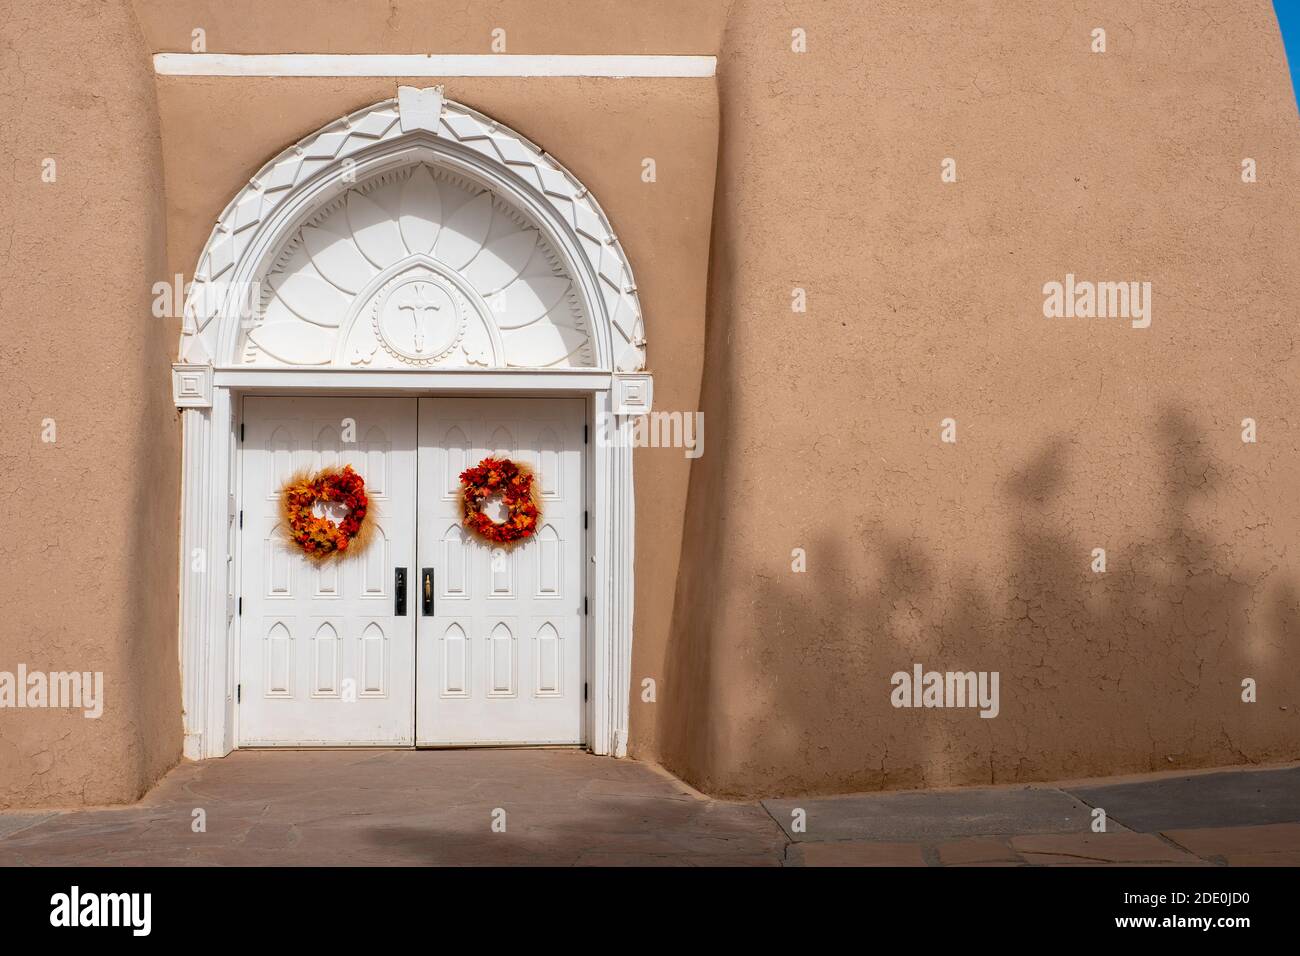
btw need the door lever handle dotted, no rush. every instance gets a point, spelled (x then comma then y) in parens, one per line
(399, 592)
(426, 592)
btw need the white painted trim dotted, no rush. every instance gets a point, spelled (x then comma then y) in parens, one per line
(195, 566)
(633, 393)
(600, 492)
(373, 141)
(192, 386)
(618, 66)
(494, 381)
(207, 388)
(621, 516)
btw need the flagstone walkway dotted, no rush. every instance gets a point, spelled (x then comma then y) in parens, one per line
(558, 807)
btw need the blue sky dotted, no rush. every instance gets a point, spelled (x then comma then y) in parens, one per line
(1288, 18)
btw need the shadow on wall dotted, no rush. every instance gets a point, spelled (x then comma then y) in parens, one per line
(1136, 669)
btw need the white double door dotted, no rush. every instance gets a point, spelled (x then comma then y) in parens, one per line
(430, 636)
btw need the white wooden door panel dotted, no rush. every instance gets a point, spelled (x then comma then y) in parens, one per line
(324, 660)
(500, 659)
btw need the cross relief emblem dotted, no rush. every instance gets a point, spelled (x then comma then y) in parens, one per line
(419, 305)
(418, 319)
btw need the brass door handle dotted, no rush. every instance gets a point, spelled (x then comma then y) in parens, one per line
(426, 592)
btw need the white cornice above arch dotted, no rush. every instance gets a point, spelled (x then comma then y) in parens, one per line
(226, 300)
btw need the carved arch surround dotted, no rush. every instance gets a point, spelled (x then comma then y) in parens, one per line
(312, 180)
(339, 241)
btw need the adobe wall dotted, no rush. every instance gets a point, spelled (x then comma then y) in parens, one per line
(924, 302)
(90, 517)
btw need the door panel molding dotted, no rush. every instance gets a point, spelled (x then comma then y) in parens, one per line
(477, 661)
(331, 662)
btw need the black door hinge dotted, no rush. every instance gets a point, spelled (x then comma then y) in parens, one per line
(584, 521)
(585, 612)
(241, 517)
(584, 690)
(241, 431)
(584, 433)
(241, 606)
(239, 693)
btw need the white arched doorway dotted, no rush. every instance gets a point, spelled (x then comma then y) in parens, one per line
(412, 252)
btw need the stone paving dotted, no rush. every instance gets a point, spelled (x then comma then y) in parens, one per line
(561, 807)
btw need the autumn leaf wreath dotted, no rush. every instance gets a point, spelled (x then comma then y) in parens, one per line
(319, 537)
(513, 483)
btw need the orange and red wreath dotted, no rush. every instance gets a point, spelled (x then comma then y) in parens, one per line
(513, 484)
(319, 537)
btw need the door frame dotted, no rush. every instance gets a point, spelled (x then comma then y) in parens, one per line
(211, 497)
(416, 126)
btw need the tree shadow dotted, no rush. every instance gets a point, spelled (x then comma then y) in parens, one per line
(1135, 669)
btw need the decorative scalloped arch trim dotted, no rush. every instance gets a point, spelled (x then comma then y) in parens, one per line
(224, 286)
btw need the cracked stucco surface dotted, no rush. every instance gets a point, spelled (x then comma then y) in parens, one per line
(924, 302)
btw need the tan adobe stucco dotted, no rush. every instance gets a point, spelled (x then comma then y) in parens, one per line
(818, 171)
